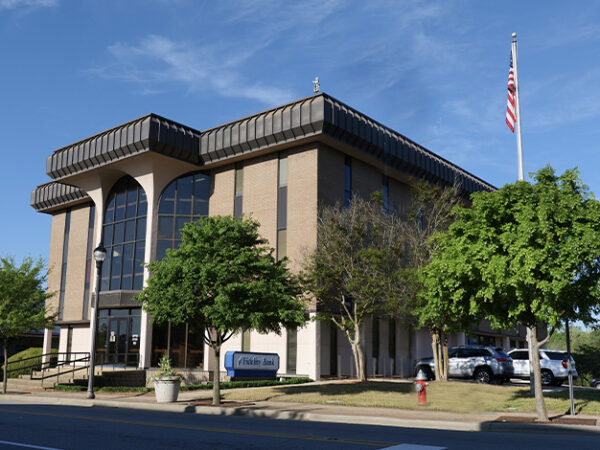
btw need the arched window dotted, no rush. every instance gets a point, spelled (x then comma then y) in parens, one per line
(124, 236)
(183, 200)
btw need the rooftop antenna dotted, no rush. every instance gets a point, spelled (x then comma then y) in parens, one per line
(316, 85)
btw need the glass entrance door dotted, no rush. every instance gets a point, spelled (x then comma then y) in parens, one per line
(118, 338)
(118, 335)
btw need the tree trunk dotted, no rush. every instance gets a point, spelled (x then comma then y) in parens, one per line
(534, 361)
(438, 356)
(446, 363)
(5, 370)
(359, 357)
(217, 375)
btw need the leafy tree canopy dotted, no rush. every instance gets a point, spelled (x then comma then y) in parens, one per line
(223, 275)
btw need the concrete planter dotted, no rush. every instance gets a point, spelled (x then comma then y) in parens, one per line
(166, 389)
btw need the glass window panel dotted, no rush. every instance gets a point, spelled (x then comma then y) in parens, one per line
(161, 248)
(118, 234)
(238, 207)
(117, 258)
(184, 187)
(138, 282)
(282, 208)
(138, 263)
(165, 227)
(169, 192)
(200, 207)
(202, 187)
(105, 284)
(166, 206)
(142, 207)
(239, 181)
(115, 283)
(140, 234)
(107, 235)
(130, 230)
(179, 223)
(281, 244)
(126, 282)
(130, 212)
(120, 213)
(283, 172)
(184, 206)
(127, 259)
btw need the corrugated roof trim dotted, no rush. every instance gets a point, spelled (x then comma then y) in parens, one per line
(53, 194)
(147, 133)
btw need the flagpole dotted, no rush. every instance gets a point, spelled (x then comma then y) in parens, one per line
(521, 177)
(518, 108)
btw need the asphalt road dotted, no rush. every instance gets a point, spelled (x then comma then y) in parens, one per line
(67, 427)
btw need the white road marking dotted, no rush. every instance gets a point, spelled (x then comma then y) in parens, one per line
(18, 444)
(414, 447)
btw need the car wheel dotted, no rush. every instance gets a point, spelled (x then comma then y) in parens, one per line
(483, 375)
(547, 378)
(597, 385)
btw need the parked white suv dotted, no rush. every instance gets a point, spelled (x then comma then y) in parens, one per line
(553, 364)
(482, 363)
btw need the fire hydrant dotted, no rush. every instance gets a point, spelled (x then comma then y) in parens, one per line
(421, 387)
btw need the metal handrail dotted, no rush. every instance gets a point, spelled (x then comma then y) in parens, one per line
(57, 364)
(41, 364)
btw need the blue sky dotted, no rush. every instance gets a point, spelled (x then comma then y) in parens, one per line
(433, 71)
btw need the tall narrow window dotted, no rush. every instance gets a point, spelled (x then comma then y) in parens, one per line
(246, 341)
(392, 339)
(88, 262)
(292, 350)
(282, 207)
(347, 181)
(124, 236)
(63, 272)
(385, 188)
(239, 191)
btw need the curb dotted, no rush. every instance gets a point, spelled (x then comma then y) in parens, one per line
(483, 426)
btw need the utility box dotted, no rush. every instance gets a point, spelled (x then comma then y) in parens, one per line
(251, 364)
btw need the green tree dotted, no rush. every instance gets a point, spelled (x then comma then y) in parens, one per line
(430, 212)
(22, 301)
(525, 254)
(223, 275)
(355, 270)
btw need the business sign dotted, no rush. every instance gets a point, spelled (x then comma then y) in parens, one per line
(251, 364)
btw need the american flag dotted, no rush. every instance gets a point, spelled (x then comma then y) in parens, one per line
(510, 104)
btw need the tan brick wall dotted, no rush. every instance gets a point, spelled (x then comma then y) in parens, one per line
(366, 179)
(302, 204)
(221, 198)
(399, 196)
(57, 233)
(78, 237)
(260, 194)
(331, 176)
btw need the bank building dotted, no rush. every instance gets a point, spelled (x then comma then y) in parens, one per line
(134, 186)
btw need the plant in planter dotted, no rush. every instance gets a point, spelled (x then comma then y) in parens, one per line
(166, 381)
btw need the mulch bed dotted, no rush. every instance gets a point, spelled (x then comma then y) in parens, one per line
(557, 420)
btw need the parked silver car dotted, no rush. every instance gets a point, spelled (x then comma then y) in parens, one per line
(482, 363)
(553, 364)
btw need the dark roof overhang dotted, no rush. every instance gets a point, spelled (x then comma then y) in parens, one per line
(53, 195)
(316, 118)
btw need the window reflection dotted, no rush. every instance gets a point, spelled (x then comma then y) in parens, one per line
(124, 235)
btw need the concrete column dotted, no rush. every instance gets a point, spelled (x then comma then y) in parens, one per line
(47, 346)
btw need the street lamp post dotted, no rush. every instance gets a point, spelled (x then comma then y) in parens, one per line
(99, 256)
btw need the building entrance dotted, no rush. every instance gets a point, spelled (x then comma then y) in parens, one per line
(118, 338)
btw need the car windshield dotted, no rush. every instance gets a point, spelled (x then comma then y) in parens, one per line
(452, 352)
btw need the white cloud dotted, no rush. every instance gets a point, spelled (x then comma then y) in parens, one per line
(26, 4)
(158, 61)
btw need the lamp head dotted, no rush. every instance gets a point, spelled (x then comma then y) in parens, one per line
(100, 253)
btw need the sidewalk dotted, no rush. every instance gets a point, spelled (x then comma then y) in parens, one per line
(193, 402)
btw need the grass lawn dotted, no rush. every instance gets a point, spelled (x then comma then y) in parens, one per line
(451, 396)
